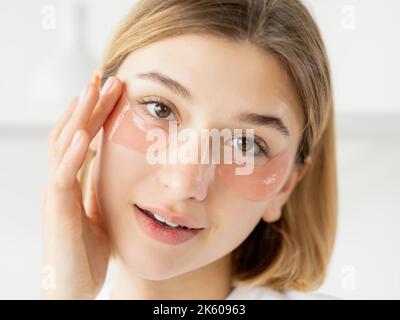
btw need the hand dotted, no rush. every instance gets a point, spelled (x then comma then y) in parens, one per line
(76, 245)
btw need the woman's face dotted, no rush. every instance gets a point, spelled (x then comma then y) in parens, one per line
(222, 79)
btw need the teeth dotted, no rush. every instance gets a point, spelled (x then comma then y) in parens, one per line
(171, 224)
(159, 218)
(162, 219)
(165, 221)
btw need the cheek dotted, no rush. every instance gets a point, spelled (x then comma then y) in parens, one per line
(233, 223)
(123, 166)
(260, 185)
(116, 178)
(120, 175)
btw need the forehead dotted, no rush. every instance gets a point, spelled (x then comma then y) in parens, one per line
(220, 73)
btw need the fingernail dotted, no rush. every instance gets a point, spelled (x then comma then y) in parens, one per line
(77, 137)
(107, 86)
(96, 80)
(83, 93)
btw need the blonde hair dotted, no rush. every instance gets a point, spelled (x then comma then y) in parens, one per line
(292, 253)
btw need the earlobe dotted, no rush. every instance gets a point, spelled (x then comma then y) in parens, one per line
(272, 216)
(273, 213)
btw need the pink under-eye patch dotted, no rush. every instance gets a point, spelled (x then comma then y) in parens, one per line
(260, 185)
(126, 128)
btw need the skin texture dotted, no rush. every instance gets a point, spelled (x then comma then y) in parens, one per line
(221, 75)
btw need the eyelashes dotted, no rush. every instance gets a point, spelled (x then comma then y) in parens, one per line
(162, 111)
(159, 108)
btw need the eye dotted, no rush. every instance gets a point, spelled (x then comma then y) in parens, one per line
(253, 145)
(157, 109)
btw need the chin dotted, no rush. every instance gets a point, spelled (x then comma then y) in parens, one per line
(156, 276)
(154, 271)
(152, 265)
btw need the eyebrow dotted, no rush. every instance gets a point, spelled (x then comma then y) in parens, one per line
(264, 120)
(250, 118)
(163, 79)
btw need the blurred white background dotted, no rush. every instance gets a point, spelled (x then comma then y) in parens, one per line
(44, 48)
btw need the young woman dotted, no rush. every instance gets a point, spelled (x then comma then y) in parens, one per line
(197, 231)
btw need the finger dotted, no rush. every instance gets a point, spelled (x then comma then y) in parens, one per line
(79, 118)
(66, 173)
(54, 133)
(90, 201)
(96, 79)
(96, 76)
(110, 94)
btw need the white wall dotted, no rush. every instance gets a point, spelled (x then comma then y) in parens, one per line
(362, 40)
(362, 37)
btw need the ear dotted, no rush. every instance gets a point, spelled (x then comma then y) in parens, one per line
(274, 210)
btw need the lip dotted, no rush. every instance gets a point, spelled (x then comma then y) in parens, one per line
(174, 219)
(162, 233)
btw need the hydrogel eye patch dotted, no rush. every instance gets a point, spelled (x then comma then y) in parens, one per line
(264, 182)
(126, 128)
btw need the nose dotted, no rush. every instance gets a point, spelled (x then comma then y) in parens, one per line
(187, 181)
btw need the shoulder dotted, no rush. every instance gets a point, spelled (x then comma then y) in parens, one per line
(265, 293)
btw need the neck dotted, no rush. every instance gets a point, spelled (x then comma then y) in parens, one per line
(213, 281)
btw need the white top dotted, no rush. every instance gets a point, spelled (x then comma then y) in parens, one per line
(265, 293)
(256, 293)
(238, 293)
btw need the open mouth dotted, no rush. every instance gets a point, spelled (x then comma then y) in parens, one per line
(160, 229)
(164, 222)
